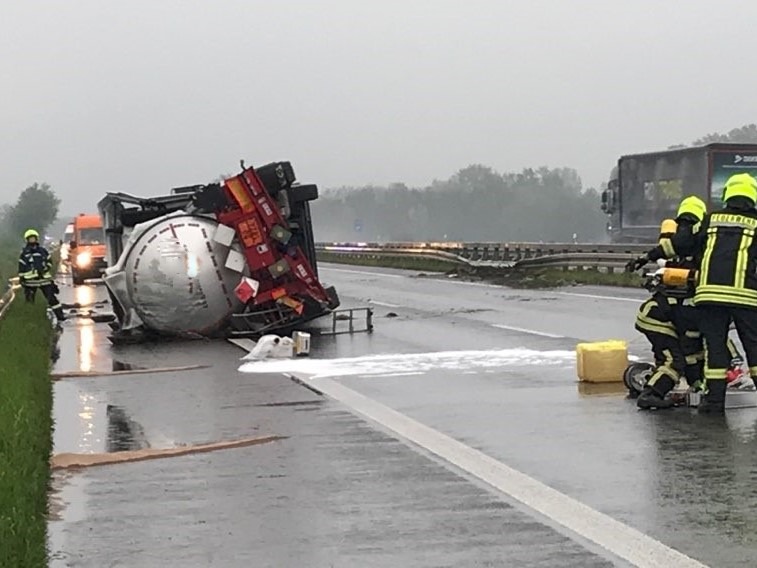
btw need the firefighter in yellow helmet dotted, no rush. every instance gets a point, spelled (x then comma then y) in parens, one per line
(727, 286)
(35, 272)
(668, 319)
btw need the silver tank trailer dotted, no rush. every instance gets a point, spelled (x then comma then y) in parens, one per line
(172, 275)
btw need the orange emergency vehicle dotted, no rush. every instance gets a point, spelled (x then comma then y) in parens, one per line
(87, 248)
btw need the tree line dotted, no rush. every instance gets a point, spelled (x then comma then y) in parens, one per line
(477, 204)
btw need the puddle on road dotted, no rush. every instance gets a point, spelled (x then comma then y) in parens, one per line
(69, 502)
(124, 434)
(86, 424)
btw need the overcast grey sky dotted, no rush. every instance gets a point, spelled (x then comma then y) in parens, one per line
(143, 95)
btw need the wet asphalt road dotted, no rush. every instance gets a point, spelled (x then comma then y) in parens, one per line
(339, 492)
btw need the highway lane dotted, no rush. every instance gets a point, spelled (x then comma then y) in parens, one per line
(686, 480)
(489, 366)
(335, 492)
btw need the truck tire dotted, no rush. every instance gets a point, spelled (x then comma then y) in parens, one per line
(636, 376)
(77, 278)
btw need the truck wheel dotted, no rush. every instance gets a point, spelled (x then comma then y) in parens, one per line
(635, 377)
(78, 280)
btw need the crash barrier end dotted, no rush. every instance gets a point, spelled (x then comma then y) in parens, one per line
(602, 361)
(79, 461)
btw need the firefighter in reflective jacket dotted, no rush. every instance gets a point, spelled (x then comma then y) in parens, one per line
(726, 289)
(35, 272)
(668, 319)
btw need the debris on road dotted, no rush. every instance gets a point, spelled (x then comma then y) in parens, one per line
(73, 374)
(78, 461)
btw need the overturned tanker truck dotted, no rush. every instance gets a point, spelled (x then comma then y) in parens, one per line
(222, 259)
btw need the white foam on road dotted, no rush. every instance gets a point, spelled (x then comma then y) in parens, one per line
(619, 539)
(403, 363)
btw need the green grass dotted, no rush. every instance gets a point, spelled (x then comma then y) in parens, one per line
(25, 433)
(553, 278)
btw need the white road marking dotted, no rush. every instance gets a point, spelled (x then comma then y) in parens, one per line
(531, 331)
(363, 272)
(600, 297)
(385, 304)
(620, 539)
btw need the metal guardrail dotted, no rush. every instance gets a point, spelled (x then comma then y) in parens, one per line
(498, 255)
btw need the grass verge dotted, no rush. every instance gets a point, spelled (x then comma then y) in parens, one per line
(25, 433)
(532, 278)
(553, 278)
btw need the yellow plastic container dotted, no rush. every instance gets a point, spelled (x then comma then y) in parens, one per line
(678, 276)
(602, 361)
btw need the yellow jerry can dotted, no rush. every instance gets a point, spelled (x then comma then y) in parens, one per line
(602, 361)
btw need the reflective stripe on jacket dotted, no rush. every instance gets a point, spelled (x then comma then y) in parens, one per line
(728, 272)
(35, 266)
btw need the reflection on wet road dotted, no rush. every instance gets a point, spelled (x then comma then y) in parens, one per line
(488, 366)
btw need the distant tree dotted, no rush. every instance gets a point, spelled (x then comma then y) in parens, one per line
(36, 208)
(476, 203)
(746, 134)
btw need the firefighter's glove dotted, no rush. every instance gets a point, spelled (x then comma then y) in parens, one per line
(41, 274)
(637, 263)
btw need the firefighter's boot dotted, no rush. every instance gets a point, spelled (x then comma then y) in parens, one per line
(654, 396)
(59, 314)
(714, 401)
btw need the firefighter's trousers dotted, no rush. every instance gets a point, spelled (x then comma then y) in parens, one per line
(715, 321)
(654, 319)
(49, 291)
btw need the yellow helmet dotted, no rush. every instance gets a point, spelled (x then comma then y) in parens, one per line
(740, 185)
(693, 206)
(31, 233)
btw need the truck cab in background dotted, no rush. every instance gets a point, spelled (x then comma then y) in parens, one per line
(87, 249)
(646, 188)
